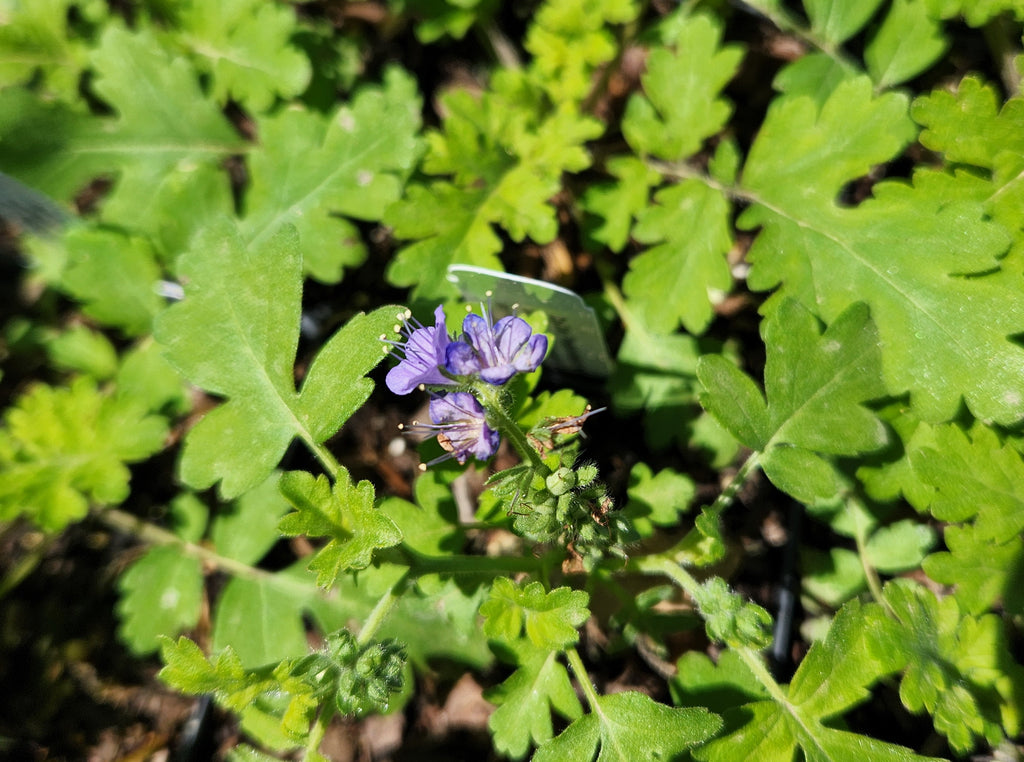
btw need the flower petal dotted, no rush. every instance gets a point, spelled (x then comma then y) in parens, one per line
(461, 359)
(530, 356)
(510, 333)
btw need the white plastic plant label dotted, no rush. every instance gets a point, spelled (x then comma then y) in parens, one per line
(579, 344)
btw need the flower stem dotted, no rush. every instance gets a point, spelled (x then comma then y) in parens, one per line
(319, 729)
(498, 418)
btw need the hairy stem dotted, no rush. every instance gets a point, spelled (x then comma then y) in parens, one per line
(325, 457)
(726, 496)
(152, 534)
(498, 418)
(316, 733)
(420, 564)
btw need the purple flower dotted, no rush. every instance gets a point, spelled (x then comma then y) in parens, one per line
(495, 352)
(422, 355)
(461, 428)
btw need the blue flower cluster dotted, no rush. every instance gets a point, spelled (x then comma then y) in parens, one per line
(490, 351)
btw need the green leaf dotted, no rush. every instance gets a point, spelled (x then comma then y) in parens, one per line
(438, 18)
(837, 21)
(431, 525)
(569, 40)
(916, 254)
(625, 727)
(967, 125)
(163, 122)
(314, 171)
(656, 374)
(657, 499)
(146, 376)
(958, 667)
(717, 685)
(682, 106)
(452, 226)
(971, 126)
(983, 571)
(259, 620)
(345, 514)
(115, 277)
(735, 401)
(247, 528)
(909, 41)
(505, 156)
(183, 200)
(36, 40)
(436, 619)
(617, 204)
(238, 688)
(833, 577)
(525, 701)
(835, 676)
(244, 45)
(974, 478)
(235, 334)
(816, 386)
(900, 546)
(79, 348)
(679, 279)
(161, 595)
(64, 449)
(550, 619)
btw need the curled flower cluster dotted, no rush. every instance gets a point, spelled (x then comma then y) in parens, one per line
(488, 351)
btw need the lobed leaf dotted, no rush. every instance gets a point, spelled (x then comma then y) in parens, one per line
(525, 701)
(657, 499)
(570, 39)
(235, 334)
(685, 273)
(505, 156)
(624, 727)
(958, 667)
(816, 387)
(344, 513)
(915, 253)
(975, 478)
(682, 105)
(836, 675)
(161, 595)
(245, 46)
(65, 449)
(163, 121)
(550, 619)
(315, 171)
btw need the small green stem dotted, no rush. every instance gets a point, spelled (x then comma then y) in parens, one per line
(788, 23)
(755, 663)
(726, 496)
(154, 535)
(420, 564)
(384, 606)
(319, 729)
(583, 678)
(663, 564)
(326, 458)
